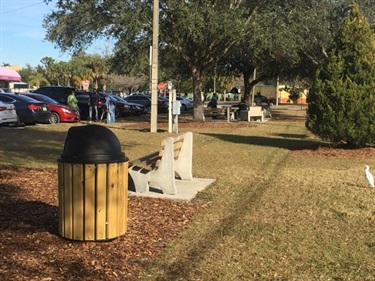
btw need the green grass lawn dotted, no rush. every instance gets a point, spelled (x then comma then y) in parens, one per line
(277, 211)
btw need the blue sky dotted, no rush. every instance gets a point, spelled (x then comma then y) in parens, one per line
(22, 35)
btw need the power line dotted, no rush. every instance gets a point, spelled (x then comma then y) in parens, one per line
(11, 11)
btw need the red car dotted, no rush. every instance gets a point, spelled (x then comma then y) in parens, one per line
(60, 112)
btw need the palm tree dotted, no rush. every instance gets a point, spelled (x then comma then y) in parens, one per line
(99, 69)
(37, 79)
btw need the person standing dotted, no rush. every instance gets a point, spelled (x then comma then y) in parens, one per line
(73, 103)
(93, 104)
(110, 114)
(112, 108)
(213, 105)
(214, 101)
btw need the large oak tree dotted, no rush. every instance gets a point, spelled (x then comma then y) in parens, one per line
(273, 36)
(200, 32)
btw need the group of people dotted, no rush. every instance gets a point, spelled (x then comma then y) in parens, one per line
(241, 106)
(93, 101)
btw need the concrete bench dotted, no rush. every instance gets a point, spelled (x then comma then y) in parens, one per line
(254, 112)
(161, 169)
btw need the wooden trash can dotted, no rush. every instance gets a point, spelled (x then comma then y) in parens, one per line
(92, 185)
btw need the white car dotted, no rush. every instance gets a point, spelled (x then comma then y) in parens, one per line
(186, 103)
(8, 115)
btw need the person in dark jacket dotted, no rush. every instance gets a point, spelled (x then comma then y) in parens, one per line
(93, 104)
(213, 102)
(241, 106)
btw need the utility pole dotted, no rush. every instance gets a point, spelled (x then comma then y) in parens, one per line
(154, 69)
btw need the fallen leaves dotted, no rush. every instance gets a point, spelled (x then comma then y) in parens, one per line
(329, 151)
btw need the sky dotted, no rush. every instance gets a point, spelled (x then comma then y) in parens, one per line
(22, 35)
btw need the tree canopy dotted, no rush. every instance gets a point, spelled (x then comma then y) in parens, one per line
(276, 37)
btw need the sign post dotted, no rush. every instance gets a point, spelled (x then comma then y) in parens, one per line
(170, 97)
(154, 68)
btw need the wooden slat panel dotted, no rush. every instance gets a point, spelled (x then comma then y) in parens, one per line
(179, 137)
(177, 148)
(60, 183)
(93, 200)
(90, 184)
(78, 201)
(101, 202)
(122, 178)
(151, 161)
(145, 159)
(146, 163)
(67, 201)
(112, 193)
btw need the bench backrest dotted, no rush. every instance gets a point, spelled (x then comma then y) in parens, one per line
(147, 163)
(177, 145)
(182, 146)
(182, 151)
(255, 110)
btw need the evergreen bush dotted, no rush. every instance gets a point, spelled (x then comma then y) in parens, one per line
(342, 98)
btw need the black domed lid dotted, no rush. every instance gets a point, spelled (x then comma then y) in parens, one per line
(92, 144)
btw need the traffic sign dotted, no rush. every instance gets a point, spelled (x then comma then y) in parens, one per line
(162, 86)
(85, 84)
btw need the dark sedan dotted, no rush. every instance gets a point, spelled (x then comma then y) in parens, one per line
(145, 100)
(29, 110)
(59, 112)
(130, 108)
(123, 107)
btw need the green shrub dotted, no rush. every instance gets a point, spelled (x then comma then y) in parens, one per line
(342, 103)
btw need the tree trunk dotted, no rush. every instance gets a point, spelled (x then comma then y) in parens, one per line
(197, 100)
(247, 87)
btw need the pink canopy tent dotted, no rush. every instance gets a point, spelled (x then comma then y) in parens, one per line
(8, 74)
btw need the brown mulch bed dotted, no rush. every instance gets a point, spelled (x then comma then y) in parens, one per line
(32, 249)
(329, 151)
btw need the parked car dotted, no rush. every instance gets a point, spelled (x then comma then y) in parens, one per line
(130, 108)
(140, 99)
(29, 110)
(5, 90)
(145, 100)
(58, 93)
(186, 103)
(59, 112)
(8, 115)
(163, 104)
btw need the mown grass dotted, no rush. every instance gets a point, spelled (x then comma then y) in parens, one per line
(272, 214)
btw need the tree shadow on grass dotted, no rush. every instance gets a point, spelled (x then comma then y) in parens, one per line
(293, 136)
(289, 141)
